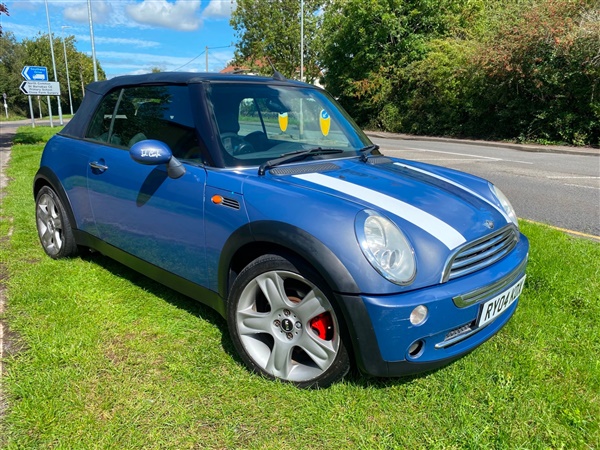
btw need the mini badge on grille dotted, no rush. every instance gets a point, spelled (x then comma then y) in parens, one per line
(489, 224)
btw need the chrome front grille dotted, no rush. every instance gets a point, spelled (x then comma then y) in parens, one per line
(481, 253)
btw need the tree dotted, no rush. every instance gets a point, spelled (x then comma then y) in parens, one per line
(542, 69)
(3, 10)
(365, 47)
(81, 70)
(504, 69)
(12, 62)
(270, 29)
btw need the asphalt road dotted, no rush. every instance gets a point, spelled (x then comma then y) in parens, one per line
(560, 189)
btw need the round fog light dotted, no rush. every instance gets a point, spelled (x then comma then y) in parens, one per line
(415, 349)
(418, 315)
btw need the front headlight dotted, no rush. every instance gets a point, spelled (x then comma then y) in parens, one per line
(385, 247)
(506, 206)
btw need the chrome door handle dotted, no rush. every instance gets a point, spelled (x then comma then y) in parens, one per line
(96, 165)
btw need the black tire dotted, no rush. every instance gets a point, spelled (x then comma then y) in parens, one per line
(284, 325)
(53, 225)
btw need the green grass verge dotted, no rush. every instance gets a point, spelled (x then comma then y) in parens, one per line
(111, 359)
(14, 118)
(39, 135)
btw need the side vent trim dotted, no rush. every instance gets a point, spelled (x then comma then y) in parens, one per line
(230, 203)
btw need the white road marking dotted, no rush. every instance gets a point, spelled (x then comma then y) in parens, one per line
(455, 159)
(573, 178)
(580, 186)
(489, 158)
(570, 177)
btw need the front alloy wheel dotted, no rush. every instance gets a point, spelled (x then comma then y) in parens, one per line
(283, 324)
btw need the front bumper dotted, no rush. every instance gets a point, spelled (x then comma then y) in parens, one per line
(382, 334)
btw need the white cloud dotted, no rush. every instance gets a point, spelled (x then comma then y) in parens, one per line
(23, 4)
(129, 42)
(101, 12)
(181, 15)
(127, 63)
(143, 58)
(219, 9)
(22, 31)
(218, 60)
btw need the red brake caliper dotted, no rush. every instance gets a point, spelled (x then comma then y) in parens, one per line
(323, 326)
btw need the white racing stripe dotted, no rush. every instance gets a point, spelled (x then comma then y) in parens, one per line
(439, 229)
(458, 185)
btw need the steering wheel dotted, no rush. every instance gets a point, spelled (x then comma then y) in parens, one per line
(237, 145)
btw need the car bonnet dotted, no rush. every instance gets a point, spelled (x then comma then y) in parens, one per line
(449, 206)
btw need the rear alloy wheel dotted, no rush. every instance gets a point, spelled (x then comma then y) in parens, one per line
(284, 326)
(54, 228)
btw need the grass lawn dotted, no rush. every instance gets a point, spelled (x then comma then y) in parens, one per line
(111, 359)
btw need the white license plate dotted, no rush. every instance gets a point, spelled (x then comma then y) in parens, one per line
(500, 303)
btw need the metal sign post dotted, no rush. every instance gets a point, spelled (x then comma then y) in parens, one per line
(31, 112)
(5, 105)
(50, 112)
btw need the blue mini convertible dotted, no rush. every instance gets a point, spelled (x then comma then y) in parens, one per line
(261, 198)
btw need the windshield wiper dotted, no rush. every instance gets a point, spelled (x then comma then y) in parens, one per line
(292, 156)
(366, 151)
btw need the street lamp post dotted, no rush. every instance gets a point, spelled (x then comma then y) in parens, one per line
(53, 67)
(67, 67)
(92, 40)
(301, 40)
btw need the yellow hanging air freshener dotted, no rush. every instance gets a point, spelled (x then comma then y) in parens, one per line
(283, 121)
(324, 122)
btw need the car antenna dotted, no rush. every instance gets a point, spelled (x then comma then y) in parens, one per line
(276, 74)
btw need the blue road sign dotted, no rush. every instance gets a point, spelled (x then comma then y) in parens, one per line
(35, 73)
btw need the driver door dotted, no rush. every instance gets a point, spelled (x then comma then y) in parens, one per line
(138, 208)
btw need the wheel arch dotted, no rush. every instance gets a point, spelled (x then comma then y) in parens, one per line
(46, 177)
(259, 238)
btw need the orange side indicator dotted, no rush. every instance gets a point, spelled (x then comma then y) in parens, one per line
(217, 199)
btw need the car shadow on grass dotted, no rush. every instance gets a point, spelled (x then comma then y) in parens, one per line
(204, 312)
(159, 290)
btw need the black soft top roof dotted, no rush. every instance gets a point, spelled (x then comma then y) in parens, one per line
(94, 92)
(101, 87)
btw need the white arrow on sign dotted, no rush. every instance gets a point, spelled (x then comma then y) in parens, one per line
(35, 73)
(40, 87)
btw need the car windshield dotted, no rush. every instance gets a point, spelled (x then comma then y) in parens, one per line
(258, 123)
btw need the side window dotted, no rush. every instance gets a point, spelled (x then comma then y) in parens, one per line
(100, 124)
(163, 113)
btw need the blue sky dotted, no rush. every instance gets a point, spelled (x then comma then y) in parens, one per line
(133, 36)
